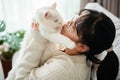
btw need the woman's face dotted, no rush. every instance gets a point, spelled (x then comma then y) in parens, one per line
(69, 30)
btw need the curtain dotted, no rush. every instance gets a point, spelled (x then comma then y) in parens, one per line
(111, 5)
(18, 13)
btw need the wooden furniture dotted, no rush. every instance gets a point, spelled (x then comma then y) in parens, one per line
(7, 65)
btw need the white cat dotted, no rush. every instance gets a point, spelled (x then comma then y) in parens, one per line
(50, 22)
(48, 35)
(50, 27)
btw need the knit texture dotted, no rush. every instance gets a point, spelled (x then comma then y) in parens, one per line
(34, 64)
(59, 67)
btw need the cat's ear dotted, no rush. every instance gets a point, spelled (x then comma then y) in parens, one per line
(47, 14)
(54, 5)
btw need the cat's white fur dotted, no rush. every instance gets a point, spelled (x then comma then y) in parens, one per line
(48, 35)
(50, 25)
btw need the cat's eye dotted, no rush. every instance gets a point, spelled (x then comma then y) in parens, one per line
(56, 20)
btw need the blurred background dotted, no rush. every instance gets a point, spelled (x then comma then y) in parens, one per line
(17, 14)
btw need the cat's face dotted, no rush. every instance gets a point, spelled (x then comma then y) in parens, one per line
(50, 16)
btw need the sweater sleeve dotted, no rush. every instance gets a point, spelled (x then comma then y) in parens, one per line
(31, 54)
(56, 68)
(30, 60)
(52, 70)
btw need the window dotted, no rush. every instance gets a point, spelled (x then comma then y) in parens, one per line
(18, 13)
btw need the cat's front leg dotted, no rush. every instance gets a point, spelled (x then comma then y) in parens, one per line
(58, 38)
(67, 42)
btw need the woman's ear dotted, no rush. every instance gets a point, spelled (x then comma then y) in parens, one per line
(82, 47)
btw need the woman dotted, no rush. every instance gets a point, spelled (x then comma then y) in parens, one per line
(97, 32)
(93, 33)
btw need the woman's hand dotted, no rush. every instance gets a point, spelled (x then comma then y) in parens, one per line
(71, 52)
(80, 48)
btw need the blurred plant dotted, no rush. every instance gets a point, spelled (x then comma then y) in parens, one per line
(10, 42)
(2, 26)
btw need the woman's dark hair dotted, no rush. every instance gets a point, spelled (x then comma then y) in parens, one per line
(98, 32)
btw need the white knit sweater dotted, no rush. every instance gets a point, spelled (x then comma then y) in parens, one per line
(59, 67)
